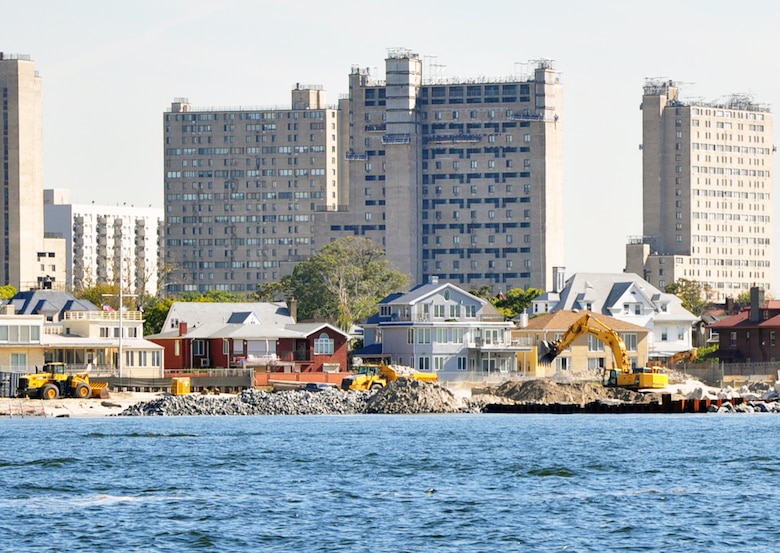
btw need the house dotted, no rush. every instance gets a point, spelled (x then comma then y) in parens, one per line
(750, 336)
(248, 335)
(54, 326)
(587, 351)
(627, 297)
(52, 304)
(442, 328)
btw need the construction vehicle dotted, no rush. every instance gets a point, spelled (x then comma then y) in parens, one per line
(374, 377)
(53, 381)
(623, 375)
(690, 356)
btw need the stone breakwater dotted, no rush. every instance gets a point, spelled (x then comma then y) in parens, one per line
(414, 397)
(403, 396)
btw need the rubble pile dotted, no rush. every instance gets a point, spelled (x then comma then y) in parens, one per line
(409, 396)
(580, 393)
(400, 396)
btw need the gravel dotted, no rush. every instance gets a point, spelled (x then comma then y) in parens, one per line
(401, 396)
(408, 396)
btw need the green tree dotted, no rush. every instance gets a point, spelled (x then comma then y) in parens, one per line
(515, 301)
(342, 284)
(7, 292)
(155, 311)
(693, 294)
(100, 294)
(485, 292)
(213, 296)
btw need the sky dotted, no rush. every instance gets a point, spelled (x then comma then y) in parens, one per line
(111, 69)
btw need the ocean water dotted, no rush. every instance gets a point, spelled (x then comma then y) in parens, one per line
(451, 483)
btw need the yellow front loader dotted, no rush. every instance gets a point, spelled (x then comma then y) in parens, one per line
(374, 377)
(53, 382)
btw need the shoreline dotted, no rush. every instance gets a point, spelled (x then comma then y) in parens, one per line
(114, 404)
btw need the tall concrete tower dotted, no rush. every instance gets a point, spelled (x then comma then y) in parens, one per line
(24, 262)
(707, 193)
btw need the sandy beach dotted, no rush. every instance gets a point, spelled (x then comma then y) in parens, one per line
(97, 407)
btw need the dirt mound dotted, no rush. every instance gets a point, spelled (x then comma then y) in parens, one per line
(408, 396)
(581, 393)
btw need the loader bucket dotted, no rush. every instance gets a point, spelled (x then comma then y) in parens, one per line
(546, 352)
(99, 389)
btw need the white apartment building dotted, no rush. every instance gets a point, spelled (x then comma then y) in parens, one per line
(103, 242)
(461, 179)
(28, 259)
(243, 188)
(707, 193)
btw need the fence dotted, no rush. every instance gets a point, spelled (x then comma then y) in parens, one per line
(723, 374)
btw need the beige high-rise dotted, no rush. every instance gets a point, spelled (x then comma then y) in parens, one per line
(26, 261)
(707, 193)
(458, 179)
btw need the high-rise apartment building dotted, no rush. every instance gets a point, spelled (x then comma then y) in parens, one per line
(707, 193)
(243, 189)
(28, 260)
(103, 241)
(461, 179)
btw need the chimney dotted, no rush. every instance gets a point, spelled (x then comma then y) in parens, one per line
(756, 303)
(292, 307)
(7, 309)
(434, 279)
(182, 328)
(559, 278)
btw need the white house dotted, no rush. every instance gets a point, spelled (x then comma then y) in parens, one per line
(442, 328)
(629, 298)
(47, 325)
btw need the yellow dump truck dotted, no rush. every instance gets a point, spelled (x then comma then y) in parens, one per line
(53, 381)
(374, 377)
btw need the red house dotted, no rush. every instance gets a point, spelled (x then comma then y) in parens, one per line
(262, 336)
(753, 334)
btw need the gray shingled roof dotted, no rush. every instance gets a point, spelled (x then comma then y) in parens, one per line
(199, 313)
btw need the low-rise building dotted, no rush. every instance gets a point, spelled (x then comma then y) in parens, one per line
(587, 353)
(442, 328)
(627, 297)
(750, 336)
(42, 326)
(263, 336)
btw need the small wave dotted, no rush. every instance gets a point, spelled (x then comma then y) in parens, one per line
(143, 435)
(563, 472)
(51, 463)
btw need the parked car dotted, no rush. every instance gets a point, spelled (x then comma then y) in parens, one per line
(316, 387)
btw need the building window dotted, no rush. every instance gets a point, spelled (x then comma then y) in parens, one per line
(198, 347)
(323, 345)
(630, 341)
(594, 344)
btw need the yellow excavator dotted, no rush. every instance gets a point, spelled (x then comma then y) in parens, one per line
(623, 376)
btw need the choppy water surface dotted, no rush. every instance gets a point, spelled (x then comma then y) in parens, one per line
(391, 483)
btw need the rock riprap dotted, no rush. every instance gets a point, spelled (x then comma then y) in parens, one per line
(401, 396)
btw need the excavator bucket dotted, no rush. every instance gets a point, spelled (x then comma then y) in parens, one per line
(546, 352)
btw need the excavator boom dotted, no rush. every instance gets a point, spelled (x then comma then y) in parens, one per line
(624, 375)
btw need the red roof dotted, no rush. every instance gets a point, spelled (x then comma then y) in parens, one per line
(741, 320)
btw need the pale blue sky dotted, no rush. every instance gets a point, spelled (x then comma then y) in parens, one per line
(111, 69)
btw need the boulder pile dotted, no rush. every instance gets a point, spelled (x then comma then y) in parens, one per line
(401, 396)
(408, 396)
